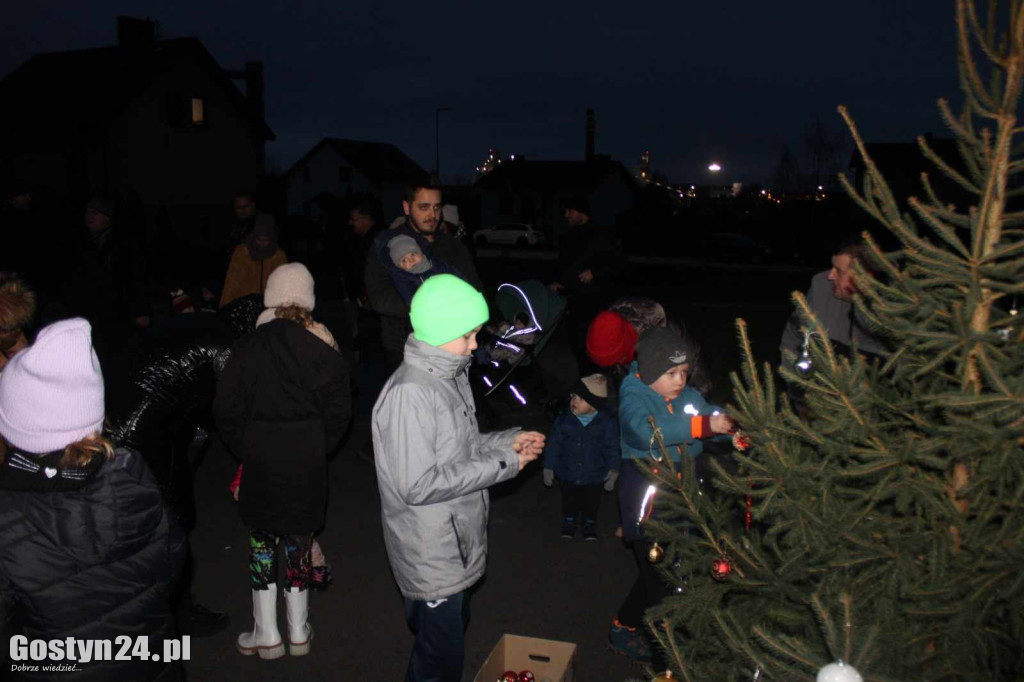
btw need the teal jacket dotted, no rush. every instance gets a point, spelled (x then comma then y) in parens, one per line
(683, 421)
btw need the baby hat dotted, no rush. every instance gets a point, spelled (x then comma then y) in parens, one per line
(51, 393)
(402, 245)
(444, 308)
(594, 389)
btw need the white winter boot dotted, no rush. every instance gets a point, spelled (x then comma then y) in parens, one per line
(265, 639)
(300, 632)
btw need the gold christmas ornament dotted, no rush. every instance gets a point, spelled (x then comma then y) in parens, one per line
(655, 553)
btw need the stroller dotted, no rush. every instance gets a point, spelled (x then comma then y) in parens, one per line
(525, 358)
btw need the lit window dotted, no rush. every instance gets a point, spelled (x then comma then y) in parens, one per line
(198, 111)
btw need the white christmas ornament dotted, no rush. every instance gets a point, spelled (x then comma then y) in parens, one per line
(839, 672)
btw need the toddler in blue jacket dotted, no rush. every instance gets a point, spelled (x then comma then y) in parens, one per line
(583, 453)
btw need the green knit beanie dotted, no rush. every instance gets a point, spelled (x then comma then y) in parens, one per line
(444, 308)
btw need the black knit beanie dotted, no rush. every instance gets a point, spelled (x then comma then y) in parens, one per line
(659, 349)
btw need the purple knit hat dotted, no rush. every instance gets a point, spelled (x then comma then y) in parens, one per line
(51, 393)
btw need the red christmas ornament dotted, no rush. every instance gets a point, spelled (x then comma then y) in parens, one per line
(740, 441)
(509, 676)
(526, 676)
(721, 568)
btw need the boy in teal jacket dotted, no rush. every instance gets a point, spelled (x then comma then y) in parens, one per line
(655, 387)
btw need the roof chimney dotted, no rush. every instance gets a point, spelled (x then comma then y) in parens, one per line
(135, 34)
(589, 152)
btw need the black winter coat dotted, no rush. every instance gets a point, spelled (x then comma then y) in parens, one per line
(588, 247)
(282, 405)
(92, 560)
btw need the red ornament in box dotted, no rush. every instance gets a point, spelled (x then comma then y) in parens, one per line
(526, 676)
(721, 568)
(509, 676)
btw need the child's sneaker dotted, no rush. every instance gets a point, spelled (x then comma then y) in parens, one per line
(628, 641)
(569, 528)
(589, 530)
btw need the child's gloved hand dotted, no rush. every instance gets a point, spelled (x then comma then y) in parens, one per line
(610, 478)
(549, 477)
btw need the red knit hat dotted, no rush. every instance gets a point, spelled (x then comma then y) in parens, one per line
(610, 339)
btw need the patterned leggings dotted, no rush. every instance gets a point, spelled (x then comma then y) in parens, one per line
(263, 559)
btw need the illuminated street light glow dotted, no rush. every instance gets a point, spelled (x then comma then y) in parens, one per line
(714, 168)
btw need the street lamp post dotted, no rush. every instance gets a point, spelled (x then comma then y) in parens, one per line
(437, 139)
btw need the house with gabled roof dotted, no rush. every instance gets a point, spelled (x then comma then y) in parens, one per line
(336, 168)
(157, 118)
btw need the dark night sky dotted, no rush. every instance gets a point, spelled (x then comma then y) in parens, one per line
(692, 82)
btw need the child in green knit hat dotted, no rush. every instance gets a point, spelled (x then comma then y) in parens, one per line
(433, 471)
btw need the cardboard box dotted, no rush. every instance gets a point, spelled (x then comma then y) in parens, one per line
(550, 661)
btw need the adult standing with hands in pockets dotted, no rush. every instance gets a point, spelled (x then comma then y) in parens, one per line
(433, 470)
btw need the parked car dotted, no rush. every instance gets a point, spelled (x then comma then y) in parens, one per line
(519, 234)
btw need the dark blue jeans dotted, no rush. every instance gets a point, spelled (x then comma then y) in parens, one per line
(440, 647)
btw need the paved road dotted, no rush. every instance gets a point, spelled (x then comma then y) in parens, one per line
(537, 584)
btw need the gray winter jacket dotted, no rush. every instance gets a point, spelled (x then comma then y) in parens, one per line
(433, 470)
(843, 323)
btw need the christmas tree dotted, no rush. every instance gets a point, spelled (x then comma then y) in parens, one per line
(883, 526)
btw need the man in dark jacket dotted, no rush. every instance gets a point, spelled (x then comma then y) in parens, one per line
(422, 206)
(244, 207)
(587, 264)
(365, 226)
(109, 285)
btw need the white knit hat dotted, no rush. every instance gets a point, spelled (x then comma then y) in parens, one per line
(290, 284)
(51, 393)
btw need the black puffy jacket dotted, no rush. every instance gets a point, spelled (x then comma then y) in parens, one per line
(282, 405)
(92, 559)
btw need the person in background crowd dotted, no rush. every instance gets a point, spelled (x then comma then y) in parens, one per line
(830, 298)
(586, 269)
(451, 223)
(244, 206)
(17, 309)
(110, 284)
(365, 226)
(253, 262)
(87, 547)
